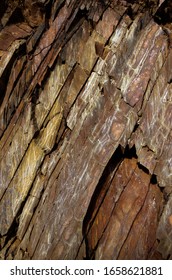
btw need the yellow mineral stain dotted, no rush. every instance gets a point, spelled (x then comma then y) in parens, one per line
(48, 135)
(28, 168)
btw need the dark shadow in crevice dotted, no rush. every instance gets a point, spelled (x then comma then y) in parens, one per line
(3, 8)
(113, 162)
(48, 11)
(130, 152)
(4, 79)
(136, 127)
(101, 191)
(164, 13)
(16, 17)
(130, 13)
(143, 168)
(153, 179)
(12, 232)
(57, 7)
(81, 14)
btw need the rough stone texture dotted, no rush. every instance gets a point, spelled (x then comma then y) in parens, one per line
(85, 130)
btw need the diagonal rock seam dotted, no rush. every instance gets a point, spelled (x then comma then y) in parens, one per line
(90, 83)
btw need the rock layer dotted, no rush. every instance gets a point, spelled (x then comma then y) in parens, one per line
(85, 127)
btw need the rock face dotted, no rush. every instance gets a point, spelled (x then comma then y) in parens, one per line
(85, 130)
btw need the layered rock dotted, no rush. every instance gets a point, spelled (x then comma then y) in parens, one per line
(85, 162)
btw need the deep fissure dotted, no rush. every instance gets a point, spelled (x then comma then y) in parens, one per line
(113, 164)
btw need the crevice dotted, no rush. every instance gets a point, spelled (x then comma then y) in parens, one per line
(80, 15)
(101, 192)
(12, 232)
(16, 17)
(6, 94)
(54, 148)
(164, 13)
(20, 54)
(153, 180)
(130, 152)
(144, 97)
(106, 176)
(143, 168)
(166, 193)
(34, 102)
(5, 78)
(48, 10)
(36, 205)
(130, 13)
(34, 40)
(46, 77)
(108, 172)
(2, 9)
(59, 5)
(136, 127)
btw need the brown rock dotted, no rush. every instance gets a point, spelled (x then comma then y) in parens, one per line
(85, 130)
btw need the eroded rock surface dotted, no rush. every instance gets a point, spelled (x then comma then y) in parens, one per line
(85, 130)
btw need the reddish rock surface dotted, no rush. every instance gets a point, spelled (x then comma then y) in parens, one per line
(85, 130)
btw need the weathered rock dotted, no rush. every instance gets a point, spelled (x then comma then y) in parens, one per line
(85, 130)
